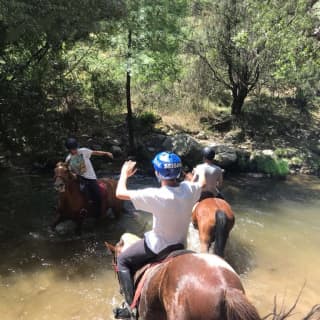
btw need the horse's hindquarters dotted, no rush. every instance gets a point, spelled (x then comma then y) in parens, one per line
(176, 290)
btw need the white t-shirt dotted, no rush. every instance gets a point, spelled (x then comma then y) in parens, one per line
(171, 208)
(81, 165)
(213, 175)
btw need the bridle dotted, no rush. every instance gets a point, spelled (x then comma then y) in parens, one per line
(115, 263)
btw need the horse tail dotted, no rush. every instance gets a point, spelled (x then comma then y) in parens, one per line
(238, 307)
(221, 232)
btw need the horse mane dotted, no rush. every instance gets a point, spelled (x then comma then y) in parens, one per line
(237, 307)
(62, 164)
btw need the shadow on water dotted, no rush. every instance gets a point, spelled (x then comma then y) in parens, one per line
(27, 203)
(26, 243)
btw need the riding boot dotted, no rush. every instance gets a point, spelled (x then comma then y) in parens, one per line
(126, 285)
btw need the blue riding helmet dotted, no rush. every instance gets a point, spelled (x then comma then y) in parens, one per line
(168, 165)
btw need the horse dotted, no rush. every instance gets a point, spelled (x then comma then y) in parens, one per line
(190, 286)
(214, 219)
(73, 204)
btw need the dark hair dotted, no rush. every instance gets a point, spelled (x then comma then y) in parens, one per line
(208, 153)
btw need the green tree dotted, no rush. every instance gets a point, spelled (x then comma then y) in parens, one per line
(244, 42)
(34, 37)
(149, 36)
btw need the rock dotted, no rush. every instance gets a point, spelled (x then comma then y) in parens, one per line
(316, 149)
(168, 143)
(116, 142)
(202, 136)
(256, 175)
(268, 153)
(116, 150)
(155, 140)
(226, 156)
(234, 136)
(185, 146)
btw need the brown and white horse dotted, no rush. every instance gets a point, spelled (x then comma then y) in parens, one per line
(73, 204)
(192, 286)
(214, 219)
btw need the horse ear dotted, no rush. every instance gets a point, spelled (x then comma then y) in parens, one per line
(111, 249)
(61, 164)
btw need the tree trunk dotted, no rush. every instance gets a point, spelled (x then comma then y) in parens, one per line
(239, 95)
(128, 95)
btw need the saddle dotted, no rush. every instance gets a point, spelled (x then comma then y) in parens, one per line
(141, 275)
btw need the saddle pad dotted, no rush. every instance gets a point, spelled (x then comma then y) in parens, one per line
(102, 185)
(141, 275)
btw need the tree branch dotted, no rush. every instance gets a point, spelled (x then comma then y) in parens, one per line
(215, 73)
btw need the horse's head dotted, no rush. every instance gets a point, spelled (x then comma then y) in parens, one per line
(126, 240)
(115, 250)
(62, 176)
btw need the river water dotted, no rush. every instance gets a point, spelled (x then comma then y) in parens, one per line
(45, 275)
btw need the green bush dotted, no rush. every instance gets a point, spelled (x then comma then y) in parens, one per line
(145, 121)
(273, 166)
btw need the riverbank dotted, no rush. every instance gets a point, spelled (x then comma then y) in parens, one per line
(266, 140)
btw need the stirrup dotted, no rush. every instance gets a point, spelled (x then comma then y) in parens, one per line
(125, 312)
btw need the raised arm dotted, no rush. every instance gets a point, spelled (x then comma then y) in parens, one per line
(220, 180)
(103, 154)
(201, 174)
(128, 170)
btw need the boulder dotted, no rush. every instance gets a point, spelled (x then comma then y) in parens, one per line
(202, 136)
(185, 146)
(116, 142)
(226, 156)
(116, 150)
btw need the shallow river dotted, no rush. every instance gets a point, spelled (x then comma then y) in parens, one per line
(44, 275)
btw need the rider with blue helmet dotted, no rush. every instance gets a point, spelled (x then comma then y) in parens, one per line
(171, 207)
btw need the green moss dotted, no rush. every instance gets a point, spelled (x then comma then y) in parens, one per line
(272, 165)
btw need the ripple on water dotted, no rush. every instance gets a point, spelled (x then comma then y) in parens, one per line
(43, 275)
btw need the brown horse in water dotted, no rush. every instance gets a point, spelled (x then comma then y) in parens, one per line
(191, 286)
(214, 219)
(73, 203)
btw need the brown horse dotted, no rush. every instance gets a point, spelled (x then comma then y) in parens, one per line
(192, 286)
(73, 204)
(214, 219)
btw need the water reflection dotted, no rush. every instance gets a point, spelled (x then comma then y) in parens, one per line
(44, 275)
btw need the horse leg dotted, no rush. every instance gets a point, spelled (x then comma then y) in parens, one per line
(221, 233)
(205, 239)
(194, 219)
(56, 221)
(117, 209)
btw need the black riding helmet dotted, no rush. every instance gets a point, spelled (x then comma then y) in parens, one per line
(71, 144)
(208, 153)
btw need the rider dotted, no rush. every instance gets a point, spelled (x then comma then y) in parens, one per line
(171, 207)
(80, 164)
(213, 173)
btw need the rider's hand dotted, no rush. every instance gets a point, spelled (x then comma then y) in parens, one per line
(129, 168)
(109, 155)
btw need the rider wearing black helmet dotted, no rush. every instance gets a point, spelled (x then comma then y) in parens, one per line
(213, 174)
(80, 164)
